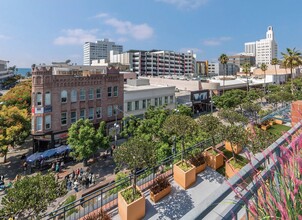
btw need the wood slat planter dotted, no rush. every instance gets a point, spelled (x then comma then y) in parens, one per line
(278, 121)
(133, 211)
(184, 178)
(156, 197)
(200, 168)
(230, 170)
(237, 148)
(213, 161)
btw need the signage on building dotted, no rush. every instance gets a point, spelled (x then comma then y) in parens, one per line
(61, 136)
(47, 109)
(200, 96)
(39, 110)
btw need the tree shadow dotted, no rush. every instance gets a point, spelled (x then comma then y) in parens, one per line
(212, 176)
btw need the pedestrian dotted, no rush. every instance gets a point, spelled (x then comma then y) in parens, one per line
(93, 179)
(57, 167)
(81, 170)
(75, 186)
(78, 171)
(24, 167)
(62, 164)
(72, 174)
(53, 166)
(87, 182)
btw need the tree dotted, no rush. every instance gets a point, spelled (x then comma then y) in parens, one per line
(223, 59)
(252, 109)
(30, 196)
(184, 110)
(14, 127)
(84, 140)
(246, 68)
(211, 125)
(275, 61)
(263, 67)
(231, 116)
(179, 126)
(258, 140)
(292, 59)
(230, 99)
(135, 153)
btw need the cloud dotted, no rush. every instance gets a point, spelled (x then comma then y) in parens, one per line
(76, 37)
(4, 37)
(216, 41)
(126, 28)
(188, 4)
(186, 49)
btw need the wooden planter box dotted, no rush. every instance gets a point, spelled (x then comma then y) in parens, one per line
(265, 127)
(213, 161)
(184, 178)
(133, 211)
(278, 121)
(230, 171)
(237, 148)
(271, 123)
(156, 197)
(200, 168)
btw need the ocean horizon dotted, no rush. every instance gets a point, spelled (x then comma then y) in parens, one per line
(23, 71)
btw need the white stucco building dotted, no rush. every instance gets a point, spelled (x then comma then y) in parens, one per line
(99, 50)
(139, 95)
(265, 49)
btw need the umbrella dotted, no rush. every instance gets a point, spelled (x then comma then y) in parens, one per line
(33, 157)
(49, 153)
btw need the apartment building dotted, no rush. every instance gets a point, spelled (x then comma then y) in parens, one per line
(265, 49)
(240, 59)
(99, 50)
(63, 94)
(5, 73)
(217, 69)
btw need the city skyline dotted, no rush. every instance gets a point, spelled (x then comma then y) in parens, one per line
(42, 32)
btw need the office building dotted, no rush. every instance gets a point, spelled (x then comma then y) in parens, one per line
(242, 58)
(62, 94)
(99, 50)
(218, 69)
(265, 49)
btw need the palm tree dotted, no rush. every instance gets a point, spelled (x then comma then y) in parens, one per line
(263, 67)
(223, 59)
(246, 68)
(275, 61)
(292, 59)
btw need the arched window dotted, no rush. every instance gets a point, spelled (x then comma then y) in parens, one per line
(47, 98)
(73, 95)
(39, 98)
(64, 96)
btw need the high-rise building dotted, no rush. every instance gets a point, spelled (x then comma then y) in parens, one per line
(265, 49)
(99, 50)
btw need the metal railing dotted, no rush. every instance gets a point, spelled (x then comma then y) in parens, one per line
(106, 197)
(232, 209)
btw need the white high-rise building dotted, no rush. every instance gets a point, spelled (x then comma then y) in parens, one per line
(265, 49)
(99, 50)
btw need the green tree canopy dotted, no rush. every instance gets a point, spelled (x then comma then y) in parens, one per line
(85, 140)
(230, 99)
(31, 196)
(232, 117)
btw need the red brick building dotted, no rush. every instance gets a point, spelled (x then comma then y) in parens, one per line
(63, 94)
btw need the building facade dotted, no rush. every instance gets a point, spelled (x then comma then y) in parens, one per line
(99, 50)
(265, 49)
(62, 95)
(240, 59)
(5, 73)
(202, 68)
(139, 95)
(217, 69)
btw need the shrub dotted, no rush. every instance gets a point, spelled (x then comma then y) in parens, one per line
(197, 159)
(100, 215)
(159, 184)
(69, 200)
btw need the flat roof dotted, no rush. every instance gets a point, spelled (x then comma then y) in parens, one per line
(129, 88)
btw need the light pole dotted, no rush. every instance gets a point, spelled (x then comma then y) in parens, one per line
(116, 127)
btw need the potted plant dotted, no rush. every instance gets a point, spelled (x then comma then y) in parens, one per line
(181, 126)
(213, 158)
(98, 215)
(135, 153)
(237, 148)
(198, 160)
(232, 167)
(160, 188)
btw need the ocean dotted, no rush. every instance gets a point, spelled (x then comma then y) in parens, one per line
(23, 71)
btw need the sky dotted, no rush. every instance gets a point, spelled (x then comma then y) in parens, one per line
(43, 31)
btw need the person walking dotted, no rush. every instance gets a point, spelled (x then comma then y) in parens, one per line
(57, 167)
(75, 186)
(93, 178)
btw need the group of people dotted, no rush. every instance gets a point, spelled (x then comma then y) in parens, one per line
(57, 166)
(80, 178)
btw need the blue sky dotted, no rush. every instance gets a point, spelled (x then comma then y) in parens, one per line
(42, 31)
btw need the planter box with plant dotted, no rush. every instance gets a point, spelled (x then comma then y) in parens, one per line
(184, 174)
(236, 147)
(97, 215)
(232, 167)
(198, 160)
(213, 158)
(160, 188)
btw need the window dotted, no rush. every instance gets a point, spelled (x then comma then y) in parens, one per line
(156, 101)
(64, 118)
(136, 105)
(39, 98)
(82, 94)
(91, 113)
(47, 98)
(73, 95)
(129, 106)
(83, 114)
(98, 93)
(109, 110)
(144, 103)
(39, 123)
(115, 91)
(160, 101)
(166, 99)
(90, 94)
(109, 91)
(47, 121)
(148, 102)
(73, 117)
(64, 96)
(171, 99)
(98, 112)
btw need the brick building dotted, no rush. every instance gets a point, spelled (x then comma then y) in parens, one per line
(62, 94)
